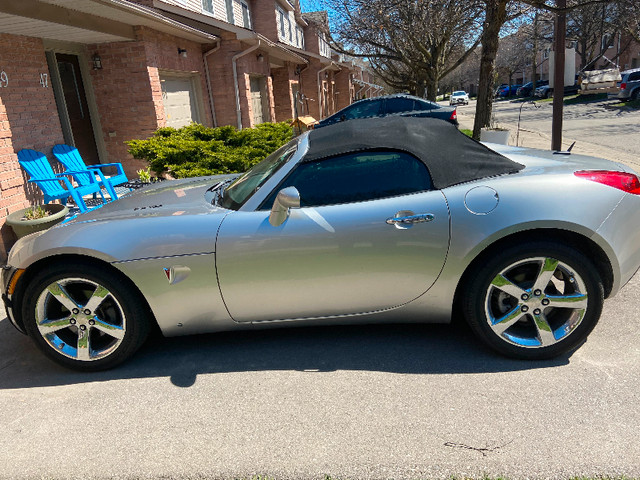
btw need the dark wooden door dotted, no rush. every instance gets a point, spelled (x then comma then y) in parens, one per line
(75, 100)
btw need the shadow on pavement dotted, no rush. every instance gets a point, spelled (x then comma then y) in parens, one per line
(406, 349)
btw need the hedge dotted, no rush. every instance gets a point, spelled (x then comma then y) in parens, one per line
(196, 150)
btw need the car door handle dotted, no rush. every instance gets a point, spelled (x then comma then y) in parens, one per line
(410, 219)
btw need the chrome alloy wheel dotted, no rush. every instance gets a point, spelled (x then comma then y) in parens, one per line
(535, 302)
(80, 319)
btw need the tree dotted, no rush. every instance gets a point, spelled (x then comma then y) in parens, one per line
(514, 53)
(411, 44)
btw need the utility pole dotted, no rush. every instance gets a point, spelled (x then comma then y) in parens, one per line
(534, 62)
(558, 75)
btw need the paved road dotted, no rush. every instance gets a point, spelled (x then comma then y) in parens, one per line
(598, 128)
(411, 402)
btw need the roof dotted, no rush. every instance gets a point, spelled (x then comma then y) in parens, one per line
(450, 156)
(89, 21)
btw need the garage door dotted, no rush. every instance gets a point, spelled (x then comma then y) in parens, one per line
(179, 101)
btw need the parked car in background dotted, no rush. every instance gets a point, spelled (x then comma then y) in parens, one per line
(526, 90)
(459, 97)
(508, 91)
(499, 89)
(390, 219)
(398, 104)
(545, 91)
(629, 85)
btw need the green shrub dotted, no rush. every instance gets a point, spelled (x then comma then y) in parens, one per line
(196, 150)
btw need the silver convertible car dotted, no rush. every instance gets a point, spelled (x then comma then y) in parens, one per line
(376, 220)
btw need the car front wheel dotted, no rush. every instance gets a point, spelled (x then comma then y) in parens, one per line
(84, 317)
(534, 301)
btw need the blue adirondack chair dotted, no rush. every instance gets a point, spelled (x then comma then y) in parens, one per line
(71, 159)
(39, 169)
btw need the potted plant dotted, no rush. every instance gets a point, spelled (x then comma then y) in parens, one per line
(36, 218)
(494, 135)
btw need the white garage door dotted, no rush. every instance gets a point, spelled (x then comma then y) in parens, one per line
(179, 101)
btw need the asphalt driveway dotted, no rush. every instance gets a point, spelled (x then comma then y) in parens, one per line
(352, 402)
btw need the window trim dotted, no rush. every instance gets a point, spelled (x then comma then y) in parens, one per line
(205, 11)
(245, 8)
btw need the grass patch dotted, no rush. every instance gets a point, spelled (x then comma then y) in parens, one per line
(467, 132)
(577, 99)
(632, 104)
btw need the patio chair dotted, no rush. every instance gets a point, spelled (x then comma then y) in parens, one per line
(39, 169)
(71, 159)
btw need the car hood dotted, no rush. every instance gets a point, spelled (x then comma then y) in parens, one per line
(167, 198)
(171, 218)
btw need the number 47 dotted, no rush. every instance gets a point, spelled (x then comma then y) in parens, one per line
(44, 80)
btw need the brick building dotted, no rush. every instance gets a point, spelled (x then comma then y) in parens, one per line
(95, 73)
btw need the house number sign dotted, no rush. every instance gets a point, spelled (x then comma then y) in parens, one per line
(4, 79)
(44, 80)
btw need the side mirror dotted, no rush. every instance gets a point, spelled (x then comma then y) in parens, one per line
(287, 198)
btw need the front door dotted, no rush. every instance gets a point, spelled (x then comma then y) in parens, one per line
(259, 104)
(77, 107)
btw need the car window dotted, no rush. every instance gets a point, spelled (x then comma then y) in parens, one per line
(397, 105)
(362, 110)
(424, 105)
(634, 76)
(238, 192)
(355, 177)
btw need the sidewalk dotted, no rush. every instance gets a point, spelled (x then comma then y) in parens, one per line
(537, 139)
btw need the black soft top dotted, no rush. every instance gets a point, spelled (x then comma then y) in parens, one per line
(450, 156)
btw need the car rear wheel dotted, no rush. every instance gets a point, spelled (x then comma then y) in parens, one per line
(84, 317)
(534, 301)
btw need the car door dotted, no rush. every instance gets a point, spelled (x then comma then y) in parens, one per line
(371, 234)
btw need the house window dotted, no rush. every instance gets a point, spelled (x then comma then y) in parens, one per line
(290, 30)
(246, 19)
(207, 6)
(281, 17)
(607, 41)
(300, 37)
(229, 6)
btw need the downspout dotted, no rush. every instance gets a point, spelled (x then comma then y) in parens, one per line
(234, 60)
(320, 91)
(209, 89)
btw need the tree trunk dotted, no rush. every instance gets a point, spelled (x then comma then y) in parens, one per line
(432, 89)
(495, 16)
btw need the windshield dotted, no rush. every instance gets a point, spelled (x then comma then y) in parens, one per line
(236, 194)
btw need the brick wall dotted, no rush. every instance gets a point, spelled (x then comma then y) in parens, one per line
(128, 91)
(263, 15)
(28, 119)
(343, 88)
(223, 85)
(282, 79)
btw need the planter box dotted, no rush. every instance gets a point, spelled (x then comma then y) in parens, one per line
(494, 136)
(22, 227)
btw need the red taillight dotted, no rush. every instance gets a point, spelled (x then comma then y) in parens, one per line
(454, 114)
(623, 86)
(627, 182)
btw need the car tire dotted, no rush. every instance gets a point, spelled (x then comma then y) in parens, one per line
(635, 94)
(84, 317)
(534, 301)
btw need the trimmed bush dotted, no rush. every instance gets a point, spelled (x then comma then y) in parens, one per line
(196, 150)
